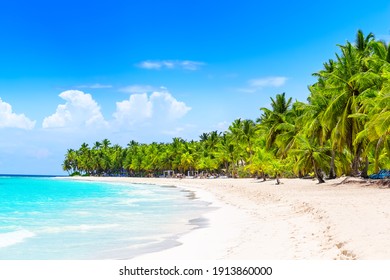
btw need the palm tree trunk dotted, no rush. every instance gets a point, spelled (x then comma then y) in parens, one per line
(332, 173)
(318, 173)
(356, 162)
(355, 166)
(277, 179)
(365, 169)
(377, 152)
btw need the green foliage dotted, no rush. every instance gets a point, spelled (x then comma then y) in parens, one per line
(242, 172)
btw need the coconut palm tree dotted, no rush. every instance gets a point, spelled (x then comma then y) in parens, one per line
(226, 153)
(311, 157)
(377, 128)
(70, 163)
(247, 137)
(262, 159)
(350, 76)
(271, 120)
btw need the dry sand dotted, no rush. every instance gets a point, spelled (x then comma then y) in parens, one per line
(298, 219)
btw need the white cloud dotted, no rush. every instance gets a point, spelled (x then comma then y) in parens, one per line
(268, 82)
(10, 119)
(40, 153)
(137, 89)
(171, 64)
(173, 132)
(136, 109)
(260, 83)
(95, 86)
(79, 110)
(150, 65)
(168, 106)
(191, 65)
(159, 107)
(222, 126)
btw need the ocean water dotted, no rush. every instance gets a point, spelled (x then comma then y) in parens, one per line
(51, 218)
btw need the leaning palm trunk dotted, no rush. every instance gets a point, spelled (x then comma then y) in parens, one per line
(356, 162)
(377, 153)
(355, 166)
(317, 171)
(277, 179)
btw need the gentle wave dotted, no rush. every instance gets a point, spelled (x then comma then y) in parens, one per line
(78, 228)
(14, 237)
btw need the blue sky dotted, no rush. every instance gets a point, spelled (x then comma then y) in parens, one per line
(81, 71)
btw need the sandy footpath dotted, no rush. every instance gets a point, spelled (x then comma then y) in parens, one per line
(298, 219)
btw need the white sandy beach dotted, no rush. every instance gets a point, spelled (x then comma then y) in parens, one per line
(298, 219)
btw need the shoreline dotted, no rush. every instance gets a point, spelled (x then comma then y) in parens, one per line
(213, 230)
(298, 219)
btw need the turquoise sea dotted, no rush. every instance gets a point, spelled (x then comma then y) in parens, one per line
(51, 218)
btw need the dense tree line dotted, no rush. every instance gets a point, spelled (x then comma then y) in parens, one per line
(343, 128)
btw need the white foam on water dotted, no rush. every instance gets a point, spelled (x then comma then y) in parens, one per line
(77, 228)
(10, 238)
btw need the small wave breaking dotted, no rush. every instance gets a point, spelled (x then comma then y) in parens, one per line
(10, 238)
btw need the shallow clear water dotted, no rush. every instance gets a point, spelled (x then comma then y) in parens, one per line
(49, 218)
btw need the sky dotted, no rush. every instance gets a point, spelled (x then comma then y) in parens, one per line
(82, 71)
